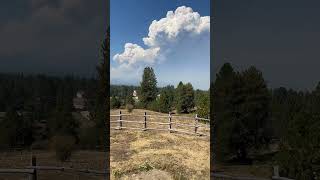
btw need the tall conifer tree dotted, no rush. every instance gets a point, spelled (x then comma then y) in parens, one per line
(148, 87)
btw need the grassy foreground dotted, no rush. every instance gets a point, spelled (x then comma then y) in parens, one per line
(157, 155)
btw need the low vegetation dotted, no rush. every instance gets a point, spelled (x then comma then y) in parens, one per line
(63, 146)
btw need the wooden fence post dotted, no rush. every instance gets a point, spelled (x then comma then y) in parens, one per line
(34, 163)
(276, 171)
(145, 121)
(196, 124)
(120, 121)
(170, 120)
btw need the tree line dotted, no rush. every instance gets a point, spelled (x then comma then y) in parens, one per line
(182, 99)
(29, 99)
(249, 116)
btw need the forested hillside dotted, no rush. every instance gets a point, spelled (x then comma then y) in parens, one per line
(18, 91)
(38, 110)
(250, 117)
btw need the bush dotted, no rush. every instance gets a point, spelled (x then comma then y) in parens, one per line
(115, 103)
(63, 146)
(203, 106)
(129, 107)
(89, 138)
(4, 140)
(139, 105)
(43, 144)
(146, 166)
(154, 106)
(299, 152)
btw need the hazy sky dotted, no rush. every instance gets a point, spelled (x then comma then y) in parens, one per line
(172, 36)
(51, 36)
(279, 37)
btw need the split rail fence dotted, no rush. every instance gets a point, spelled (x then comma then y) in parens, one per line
(275, 176)
(171, 123)
(217, 176)
(31, 172)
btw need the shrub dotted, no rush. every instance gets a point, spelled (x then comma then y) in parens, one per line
(203, 106)
(89, 138)
(299, 152)
(115, 103)
(154, 106)
(139, 105)
(146, 166)
(64, 146)
(43, 144)
(129, 107)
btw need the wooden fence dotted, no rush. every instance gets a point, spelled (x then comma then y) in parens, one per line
(217, 176)
(220, 176)
(193, 125)
(32, 171)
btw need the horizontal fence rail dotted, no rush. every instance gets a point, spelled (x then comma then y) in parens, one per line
(220, 176)
(17, 171)
(54, 168)
(32, 171)
(182, 124)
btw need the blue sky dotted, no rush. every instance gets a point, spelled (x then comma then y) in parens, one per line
(182, 56)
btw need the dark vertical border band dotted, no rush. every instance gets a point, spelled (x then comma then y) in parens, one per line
(107, 124)
(212, 126)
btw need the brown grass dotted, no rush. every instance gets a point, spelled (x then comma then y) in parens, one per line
(161, 155)
(255, 170)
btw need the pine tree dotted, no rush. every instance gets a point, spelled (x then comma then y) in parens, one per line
(166, 100)
(185, 97)
(101, 108)
(299, 152)
(148, 87)
(257, 103)
(223, 88)
(241, 106)
(203, 105)
(179, 96)
(189, 97)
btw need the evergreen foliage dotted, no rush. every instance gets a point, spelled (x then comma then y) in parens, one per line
(248, 115)
(166, 100)
(148, 87)
(115, 103)
(241, 102)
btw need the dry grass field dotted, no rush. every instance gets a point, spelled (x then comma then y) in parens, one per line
(256, 170)
(151, 154)
(80, 160)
